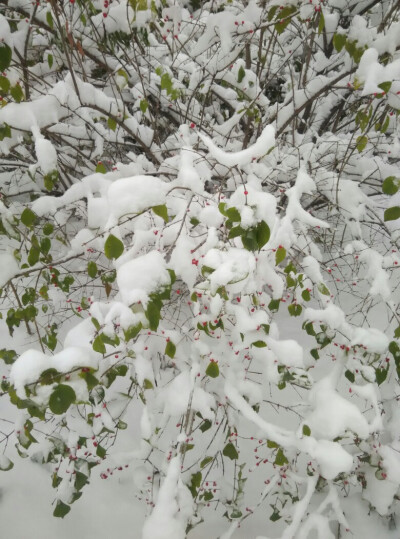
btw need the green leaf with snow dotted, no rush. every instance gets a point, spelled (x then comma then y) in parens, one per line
(5, 463)
(323, 289)
(280, 459)
(61, 399)
(161, 211)
(385, 86)
(295, 309)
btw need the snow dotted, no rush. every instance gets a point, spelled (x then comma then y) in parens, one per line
(288, 352)
(264, 143)
(332, 414)
(140, 277)
(164, 522)
(29, 365)
(130, 196)
(45, 152)
(8, 268)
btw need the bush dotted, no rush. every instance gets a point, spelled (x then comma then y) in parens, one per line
(196, 228)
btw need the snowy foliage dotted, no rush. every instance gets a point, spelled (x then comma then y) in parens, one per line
(199, 227)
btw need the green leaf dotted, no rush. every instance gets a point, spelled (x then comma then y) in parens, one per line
(5, 56)
(233, 214)
(170, 349)
(380, 375)
(309, 328)
(132, 332)
(271, 13)
(280, 255)
(61, 399)
(391, 214)
(323, 289)
(98, 345)
(49, 19)
(147, 384)
(90, 379)
(45, 245)
(205, 461)
(61, 509)
(101, 452)
(306, 430)
(28, 218)
(249, 240)
(101, 168)
(92, 269)
(385, 86)
(50, 180)
(17, 93)
(280, 459)
(263, 234)
(274, 305)
(230, 451)
(339, 41)
(295, 309)
(314, 353)
(8, 356)
(144, 105)
(235, 232)
(275, 516)
(166, 83)
(80, 480)
(212, 369)
(112, 124)
(259, 344)
(350, 376)
(241, 74)
(4, 84)
(281, 25)
(361, 142)
(33, 256)
(161, 211)
(321, 24)
(153, 315)
(113, 247)
(306, 295)
(195, 482)
(50, 60)
(206, 425)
